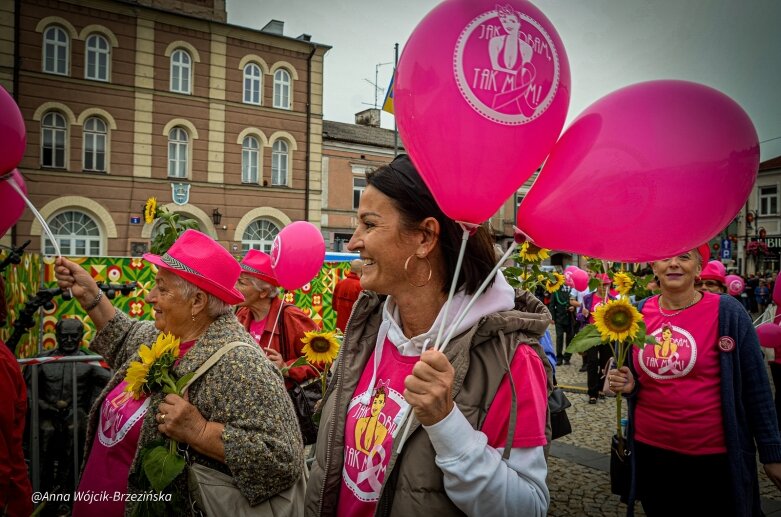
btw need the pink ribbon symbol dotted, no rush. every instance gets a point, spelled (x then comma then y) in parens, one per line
(671, 365)
(372, 474)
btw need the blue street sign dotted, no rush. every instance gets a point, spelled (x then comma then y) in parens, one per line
(726, 253)
(726, 244)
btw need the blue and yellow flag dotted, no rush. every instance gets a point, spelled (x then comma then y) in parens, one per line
(387, 105)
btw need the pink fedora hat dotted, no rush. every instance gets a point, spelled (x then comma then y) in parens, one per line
(258, 264)
(603, 277)
(200, 260)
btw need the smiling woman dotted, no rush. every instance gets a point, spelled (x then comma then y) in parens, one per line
(703, 385)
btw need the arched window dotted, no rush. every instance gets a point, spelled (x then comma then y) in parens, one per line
(97, 58)
(259, 235)
(181, 71)
(76, 233)
(178, 153)
(54, 132)
(279, 163)
(253, 84)
(55, 50)
(249, 160)
(95, 139)
(282, 89)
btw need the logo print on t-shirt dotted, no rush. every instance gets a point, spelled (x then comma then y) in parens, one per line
(673, 355)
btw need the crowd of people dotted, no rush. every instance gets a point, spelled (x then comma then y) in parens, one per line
(410, 424)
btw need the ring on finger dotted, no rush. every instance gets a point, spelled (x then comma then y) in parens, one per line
(162, 418)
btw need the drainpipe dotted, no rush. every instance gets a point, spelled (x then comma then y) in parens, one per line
(17, 64)
(308, 127)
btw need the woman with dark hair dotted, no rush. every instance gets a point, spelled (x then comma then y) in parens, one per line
(699, 401)
(464, 454)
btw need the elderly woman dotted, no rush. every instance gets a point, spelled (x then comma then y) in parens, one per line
(713, 278)
(276, 326)
(464, 453)
(237, 417)
(696, 414)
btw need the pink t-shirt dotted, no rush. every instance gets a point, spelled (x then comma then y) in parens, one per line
(596, 301)
(679, 405)
(113, 450)
(370, 429)
(256, 329)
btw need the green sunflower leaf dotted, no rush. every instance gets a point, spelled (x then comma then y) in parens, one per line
(587, 338)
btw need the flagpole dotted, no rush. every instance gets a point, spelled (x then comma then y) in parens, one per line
(395, 129)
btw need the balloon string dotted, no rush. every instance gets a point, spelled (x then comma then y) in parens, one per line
(477, 294)
(453, 284)
(37, 215)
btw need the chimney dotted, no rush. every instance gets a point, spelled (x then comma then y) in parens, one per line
(274, 27)
(305, 37)
(369, 117)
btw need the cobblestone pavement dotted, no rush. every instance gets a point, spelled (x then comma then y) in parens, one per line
(578, 477)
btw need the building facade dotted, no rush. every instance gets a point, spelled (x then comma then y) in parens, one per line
(124, 100)
(760, 222)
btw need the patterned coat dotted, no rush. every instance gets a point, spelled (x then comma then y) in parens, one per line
(244, 391)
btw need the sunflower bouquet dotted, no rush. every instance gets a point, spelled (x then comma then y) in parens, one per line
(528, 275)
(320, 350)
(160, 463)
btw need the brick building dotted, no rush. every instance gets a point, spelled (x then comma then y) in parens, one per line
(129, 99)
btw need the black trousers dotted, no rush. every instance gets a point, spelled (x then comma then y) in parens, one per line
(562, 342)
(775, 372)
(671, 484)
(596, 360)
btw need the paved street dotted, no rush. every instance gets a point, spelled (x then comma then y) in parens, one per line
(578, 465)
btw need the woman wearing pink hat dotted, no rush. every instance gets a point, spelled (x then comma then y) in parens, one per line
(224, 423)
(712, 278)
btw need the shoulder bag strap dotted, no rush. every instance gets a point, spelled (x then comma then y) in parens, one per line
(211, 361)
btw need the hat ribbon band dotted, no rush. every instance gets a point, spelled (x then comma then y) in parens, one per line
(168, 259)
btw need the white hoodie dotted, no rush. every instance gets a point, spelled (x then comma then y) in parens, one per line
(476, 479)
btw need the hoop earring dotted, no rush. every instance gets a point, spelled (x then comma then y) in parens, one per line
(406, 271)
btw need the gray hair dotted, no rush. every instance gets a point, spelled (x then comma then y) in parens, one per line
(263, 286)
(214, 306)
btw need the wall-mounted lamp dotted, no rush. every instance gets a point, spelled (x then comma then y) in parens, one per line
(216, 216)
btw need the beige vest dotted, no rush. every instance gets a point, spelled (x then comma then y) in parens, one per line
(413, 483)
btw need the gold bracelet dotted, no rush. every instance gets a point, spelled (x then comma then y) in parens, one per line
(95, 302)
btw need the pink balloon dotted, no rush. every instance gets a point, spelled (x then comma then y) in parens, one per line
(735, 284)
(777, 291)
(480, 96)
(13, 205)
(769, 335)
(297, 254)
(13, 136)
(579, 279)
(628, 165)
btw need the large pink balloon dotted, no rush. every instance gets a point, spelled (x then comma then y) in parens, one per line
(735, 284)
(620, 183)
(13, 136)
(10, 201)
(769, 335)
(480, 97)
(297, 254)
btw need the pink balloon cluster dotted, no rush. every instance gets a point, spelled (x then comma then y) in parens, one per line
(13, 138)
(576, 278)
(297, 254)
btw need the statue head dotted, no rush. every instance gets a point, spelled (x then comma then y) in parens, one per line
(69, 334)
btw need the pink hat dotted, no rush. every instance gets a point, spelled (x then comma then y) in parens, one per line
(200, 260)
(704, 250)
(715, 270)
(604, 278)
(258, 264)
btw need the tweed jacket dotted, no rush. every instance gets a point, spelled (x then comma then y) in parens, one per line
(244, 391)
(413, 484)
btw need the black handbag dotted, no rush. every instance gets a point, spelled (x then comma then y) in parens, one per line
(559, 421)
(305, 397)
(620, 470)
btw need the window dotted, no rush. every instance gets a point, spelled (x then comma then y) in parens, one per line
(178, 151)
(95, 134)
(54, 134)
(259, 235)
(97, 58)
(249, 160)
(76, 233)
(359, 185)
(279, 163)
(181, 68)
(282, 89)
(252, 84)
(55, 51)
(768, 200)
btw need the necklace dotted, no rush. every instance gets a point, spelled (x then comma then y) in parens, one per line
(670, 315)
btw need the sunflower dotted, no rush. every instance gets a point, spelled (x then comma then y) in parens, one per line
(531, 253)
(136, 378)
(617, 320)
(623, 283)
(320, 347)
(150, 210)
(555, 286)
(166, 347)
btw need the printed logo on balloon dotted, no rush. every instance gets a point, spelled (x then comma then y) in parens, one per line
(507, 66)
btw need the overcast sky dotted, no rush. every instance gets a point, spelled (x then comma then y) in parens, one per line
(731, 45)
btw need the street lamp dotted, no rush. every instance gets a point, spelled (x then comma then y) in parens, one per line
(216, 216)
